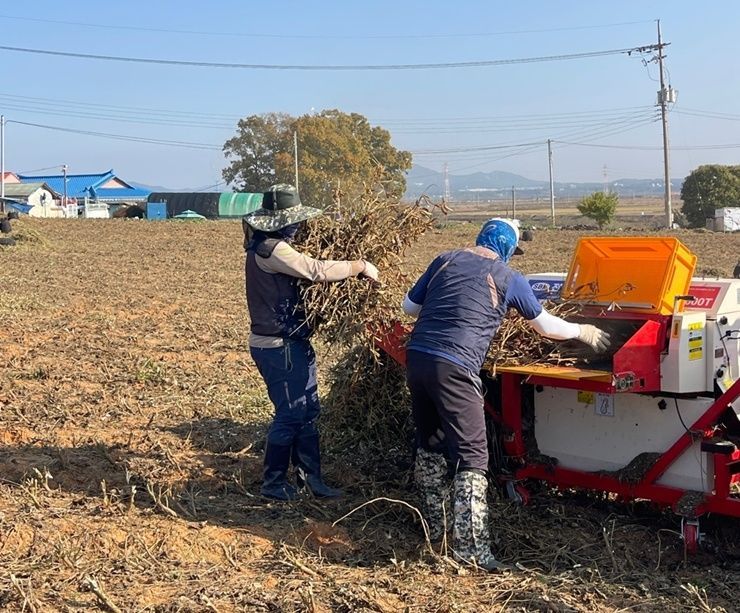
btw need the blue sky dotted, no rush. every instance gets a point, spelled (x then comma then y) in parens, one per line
(604, 100)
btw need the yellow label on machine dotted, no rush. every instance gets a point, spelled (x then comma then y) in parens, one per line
(585, 397)
(696, 340)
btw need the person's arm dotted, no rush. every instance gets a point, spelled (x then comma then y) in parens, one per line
(554, 327)
(284, 259)
(522, 298)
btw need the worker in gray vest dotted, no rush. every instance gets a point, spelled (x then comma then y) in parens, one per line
(279, 339)
(460, 301)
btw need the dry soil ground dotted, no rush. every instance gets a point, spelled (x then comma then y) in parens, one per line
(130, 423)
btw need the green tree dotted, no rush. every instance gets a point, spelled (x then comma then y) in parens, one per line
(599, 206)
(709, 187)
(257, 152)
(336, 151)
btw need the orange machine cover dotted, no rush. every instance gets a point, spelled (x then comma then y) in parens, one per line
(640, 273)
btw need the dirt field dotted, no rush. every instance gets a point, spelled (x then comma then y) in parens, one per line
(131, 419)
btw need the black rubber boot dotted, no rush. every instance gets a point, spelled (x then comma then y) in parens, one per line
(275, 484)
(307, 460)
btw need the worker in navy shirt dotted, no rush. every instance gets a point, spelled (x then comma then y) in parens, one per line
(460, 301)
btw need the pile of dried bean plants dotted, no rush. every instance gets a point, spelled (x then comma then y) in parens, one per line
(372, 227)
(367, 405)
(517, 344)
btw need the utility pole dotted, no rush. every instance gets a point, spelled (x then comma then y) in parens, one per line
(64, 185)
(295, 156)
(2, 163)
(606, 180)
(446, 184)
(552, 183)
(513, 202)
(664, 97)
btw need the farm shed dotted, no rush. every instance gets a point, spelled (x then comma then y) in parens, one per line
(43, 200)
(212, 205)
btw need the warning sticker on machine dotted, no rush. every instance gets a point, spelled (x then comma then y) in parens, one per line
(696, 341)
(585, 397)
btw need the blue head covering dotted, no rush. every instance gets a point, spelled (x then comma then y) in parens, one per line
(500, 236)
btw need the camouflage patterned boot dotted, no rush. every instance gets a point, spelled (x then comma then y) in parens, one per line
(471, 541)
(430, 473)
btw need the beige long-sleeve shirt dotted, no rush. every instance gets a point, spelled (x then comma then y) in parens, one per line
(286, 260)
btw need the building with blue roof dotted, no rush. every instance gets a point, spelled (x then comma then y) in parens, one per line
(104, 187)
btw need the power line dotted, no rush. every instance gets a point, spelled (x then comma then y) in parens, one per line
(605, 129)
(331, 67)
(318, 36)
(183, 123)
(466, 149)
(124, 137)
(128, 109)
(654, 148)
(74, 108)
(508, 118)
(707, 114)
(538, 147)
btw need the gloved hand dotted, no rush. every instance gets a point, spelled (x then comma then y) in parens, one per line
(370, 271)
(594, 337)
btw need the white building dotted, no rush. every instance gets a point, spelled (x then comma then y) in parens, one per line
(40, 196)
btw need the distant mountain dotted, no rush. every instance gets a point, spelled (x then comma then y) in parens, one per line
(419, 177)
(497, 185)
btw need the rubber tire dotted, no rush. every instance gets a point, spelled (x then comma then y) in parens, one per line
(690, 534)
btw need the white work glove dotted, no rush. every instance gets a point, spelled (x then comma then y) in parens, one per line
(594, 337)
(370, 271)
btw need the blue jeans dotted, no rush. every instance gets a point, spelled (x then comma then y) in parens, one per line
(290, 375)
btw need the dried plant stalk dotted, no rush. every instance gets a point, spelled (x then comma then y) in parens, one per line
(372, 227)
(517, 344)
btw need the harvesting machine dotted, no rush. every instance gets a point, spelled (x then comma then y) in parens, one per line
(655, 419)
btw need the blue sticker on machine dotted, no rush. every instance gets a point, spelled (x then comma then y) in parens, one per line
(546, 289)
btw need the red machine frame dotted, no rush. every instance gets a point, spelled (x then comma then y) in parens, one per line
(640, 355)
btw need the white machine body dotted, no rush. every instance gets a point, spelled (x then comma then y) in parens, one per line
(719, 302)
(589, 431)
(592, 432)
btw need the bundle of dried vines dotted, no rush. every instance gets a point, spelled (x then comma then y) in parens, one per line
(372, 227)
(517, 344)
(367, 417)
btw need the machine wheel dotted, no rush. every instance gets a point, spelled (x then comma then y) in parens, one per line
(691, 535)
(517, 493)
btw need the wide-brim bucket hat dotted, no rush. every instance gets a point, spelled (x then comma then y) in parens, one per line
(281, 207)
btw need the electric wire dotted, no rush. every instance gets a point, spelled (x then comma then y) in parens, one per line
(123, 137)
(606, 130)
(327, 67)
(537, 148)
(318, 36)
(114, 107)
(655, 147)
(582, 132)
(160, 117)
